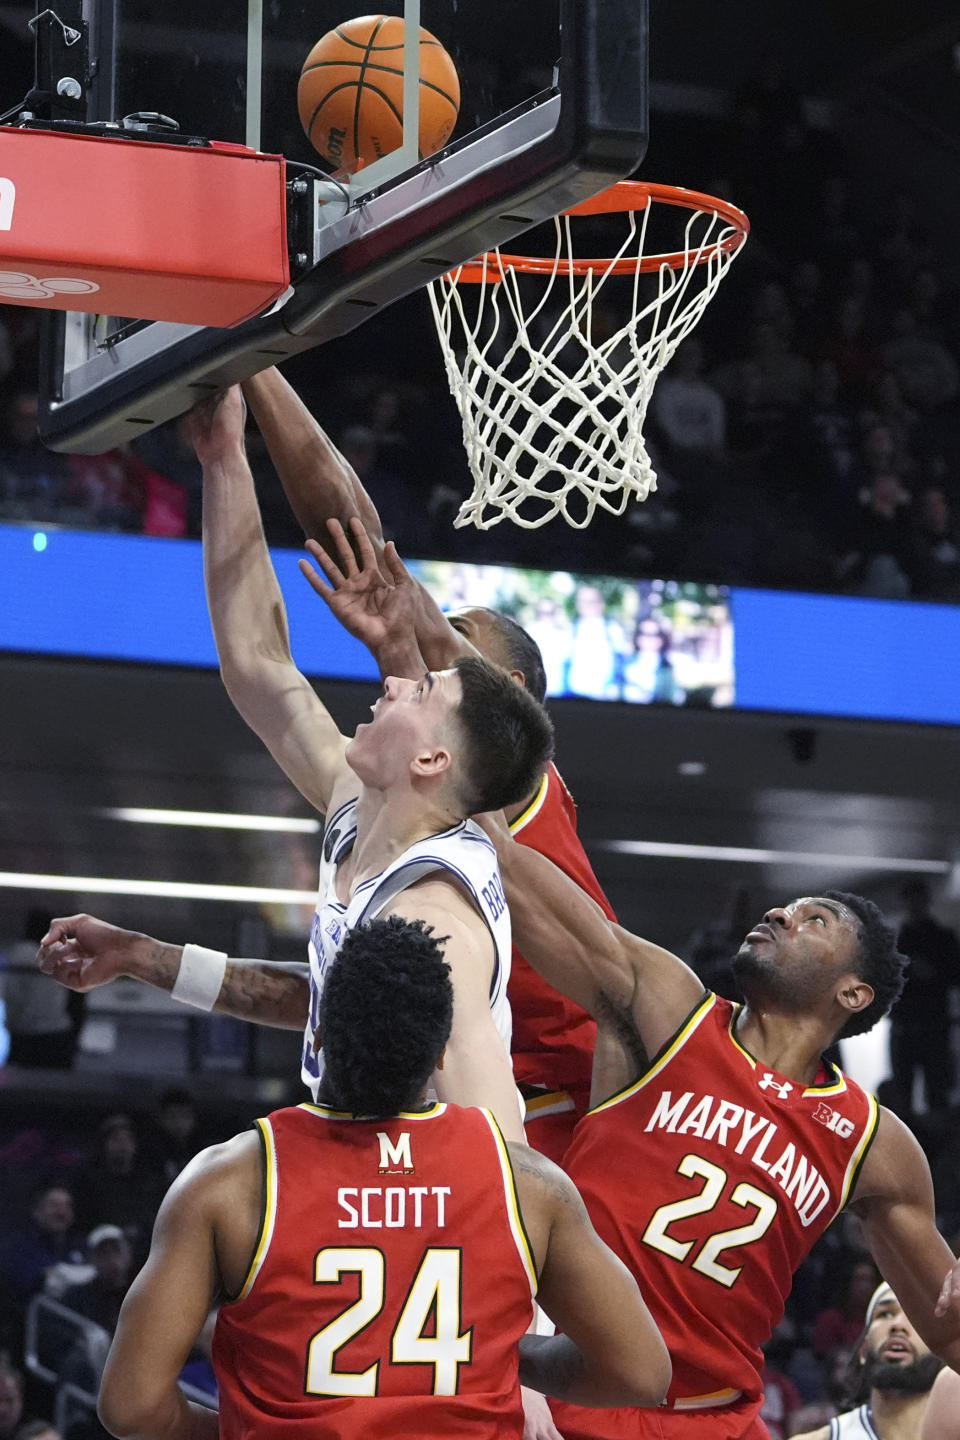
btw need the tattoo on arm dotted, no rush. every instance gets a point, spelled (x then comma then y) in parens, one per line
(265, 992)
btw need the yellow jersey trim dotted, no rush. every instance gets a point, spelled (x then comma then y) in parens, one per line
(860, 1154)
(706, 1402)
(269, 1217)
(665, 1055)
(517, 1228)
(734, 1017)
(554, 1102)
(536, 804)
(437, 1108)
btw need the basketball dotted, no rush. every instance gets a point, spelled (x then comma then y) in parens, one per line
(350, 95)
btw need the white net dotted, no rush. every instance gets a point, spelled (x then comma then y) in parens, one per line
(552, 388)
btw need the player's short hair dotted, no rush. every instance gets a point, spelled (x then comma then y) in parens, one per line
(508, 733)
(523, 654)
(879, 962)
(385, 1015)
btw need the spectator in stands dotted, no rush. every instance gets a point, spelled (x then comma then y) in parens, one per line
(920, 1022)
(926, 370)
(781, 1399)
(49, 1239)
(100, 1299)
(689, 410)
(177, 1136)
(33, 481)
(935, 547)
(11, 1399)
(841, 1325)
(119, 1187)
(40, 1026)
(877, 558)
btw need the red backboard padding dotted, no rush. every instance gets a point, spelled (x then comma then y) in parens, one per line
(128, 227)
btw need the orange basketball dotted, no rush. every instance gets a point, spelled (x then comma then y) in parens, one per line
(350, 94)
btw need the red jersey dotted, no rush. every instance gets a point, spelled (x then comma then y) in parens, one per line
(553, 1038)
(712, 1177)
(389, 1288)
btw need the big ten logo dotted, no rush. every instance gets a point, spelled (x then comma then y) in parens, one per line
(394, 1157)
(834, 1121)
(492, 893)
(8, 196)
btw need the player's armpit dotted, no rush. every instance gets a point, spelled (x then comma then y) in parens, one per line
(476, 1069)
(569, 940)
(611, 1352)
(894, 1200)
(166, 1306)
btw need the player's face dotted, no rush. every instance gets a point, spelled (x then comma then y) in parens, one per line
(411, 720)
(798, 949)
(895, 1356)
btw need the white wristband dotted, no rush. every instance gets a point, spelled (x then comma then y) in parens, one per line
(200, 977)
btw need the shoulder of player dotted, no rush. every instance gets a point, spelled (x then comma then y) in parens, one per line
(895, 1166)
(211, 1181)
(443, 902)
(539, 1180)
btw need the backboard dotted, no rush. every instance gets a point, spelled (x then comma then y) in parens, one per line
(553, 110)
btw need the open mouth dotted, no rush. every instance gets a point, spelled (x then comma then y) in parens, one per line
(897, 1352)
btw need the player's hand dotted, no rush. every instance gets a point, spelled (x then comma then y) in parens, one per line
(215, 427)
(949, 1297)
(537, 1420)
(83, 953)
(377, 605)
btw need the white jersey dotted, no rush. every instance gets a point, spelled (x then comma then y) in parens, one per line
(854, 1425)
(462, 851)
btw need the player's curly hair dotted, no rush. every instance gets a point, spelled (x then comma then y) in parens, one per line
(879, 962)
(509, 737)
(384, 1017)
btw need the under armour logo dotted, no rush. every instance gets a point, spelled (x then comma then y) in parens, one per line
(16, 285)
(770, 1082)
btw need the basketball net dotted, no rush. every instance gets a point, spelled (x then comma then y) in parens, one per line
(553, 400)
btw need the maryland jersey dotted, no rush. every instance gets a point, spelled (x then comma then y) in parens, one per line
(712, 1177)
(463, 852)
(553, 1038)
(390, 1285)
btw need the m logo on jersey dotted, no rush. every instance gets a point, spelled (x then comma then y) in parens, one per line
(770, 1082)
(394, 1159)
(834, 1121)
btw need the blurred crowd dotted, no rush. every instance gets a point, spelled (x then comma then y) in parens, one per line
(80, 1186)
(807, 436)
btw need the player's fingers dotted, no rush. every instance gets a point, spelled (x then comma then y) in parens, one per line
(319, 584)
(59, 959)
(397, 572)
(334, 575)
(368, 556)
(949, 1290)
(61, 927)
(348, 560)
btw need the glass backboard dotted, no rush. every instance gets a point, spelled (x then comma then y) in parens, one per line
(553, 109)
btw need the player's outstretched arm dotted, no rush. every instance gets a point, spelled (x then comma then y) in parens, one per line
(894, 1200)
(248, 615)
(476, 1068)
(321, 486)
(569, 940)
(317, 480)
(941, 1419)
(610, 1352)
(83, 953)
(167, 1304)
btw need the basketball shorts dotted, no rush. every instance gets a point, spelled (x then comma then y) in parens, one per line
(729, 1422)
